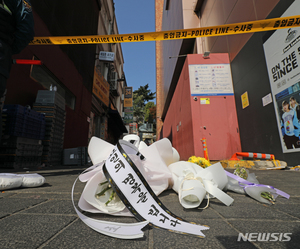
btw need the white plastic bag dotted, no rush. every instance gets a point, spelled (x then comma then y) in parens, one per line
(10, 181)
(32, 180)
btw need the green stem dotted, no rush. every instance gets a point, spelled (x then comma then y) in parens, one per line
(110, 198)
(103, 191)
(268, 196)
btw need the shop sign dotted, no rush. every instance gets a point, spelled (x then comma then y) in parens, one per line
(128, 115)
(128, 102)
(106, 56)
(101, 87)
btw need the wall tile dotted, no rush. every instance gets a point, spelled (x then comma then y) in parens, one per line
(263, 8)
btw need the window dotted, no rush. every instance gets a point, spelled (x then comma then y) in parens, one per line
(167, 4)
(42, 75)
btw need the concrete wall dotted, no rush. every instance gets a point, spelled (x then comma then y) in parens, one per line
(180, 14)
(172, 20)
(218, 12)
(257, 124)
(178, 123)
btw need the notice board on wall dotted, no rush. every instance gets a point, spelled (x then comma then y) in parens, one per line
(210, 79)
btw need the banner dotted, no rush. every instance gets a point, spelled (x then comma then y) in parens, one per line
(282, 53)
(226, 29)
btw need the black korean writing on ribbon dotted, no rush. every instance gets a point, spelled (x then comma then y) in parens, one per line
(136, 188)
(138, 197)
(115, 159)
(154, 212)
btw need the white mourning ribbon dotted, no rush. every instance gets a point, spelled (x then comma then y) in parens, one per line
(113, 229)
(138, 196)
(212, 188)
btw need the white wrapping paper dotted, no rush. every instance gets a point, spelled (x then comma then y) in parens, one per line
(233, 184)
(153, 168)
(193, 183)
(253, 188)
(138, 195)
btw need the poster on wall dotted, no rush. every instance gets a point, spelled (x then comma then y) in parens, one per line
(282, 53)
(245, 100)
(210, 79)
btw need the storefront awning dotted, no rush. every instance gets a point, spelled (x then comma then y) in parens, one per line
(116, 122)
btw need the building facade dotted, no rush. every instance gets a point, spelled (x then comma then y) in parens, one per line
(258, 126)
(109, 80)
(74, 70)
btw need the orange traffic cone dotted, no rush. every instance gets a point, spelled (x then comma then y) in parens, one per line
(205, 148)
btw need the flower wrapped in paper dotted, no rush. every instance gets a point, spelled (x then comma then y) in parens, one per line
(137, 177)
(234, 185)
(154, 169)
(260, 192)
(193, 183)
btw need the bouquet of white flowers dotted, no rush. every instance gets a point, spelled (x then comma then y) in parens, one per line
(243, 182)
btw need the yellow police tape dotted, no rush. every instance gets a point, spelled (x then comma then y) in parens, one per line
(227, 29)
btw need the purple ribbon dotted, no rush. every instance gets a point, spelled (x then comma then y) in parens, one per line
(248, 184)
